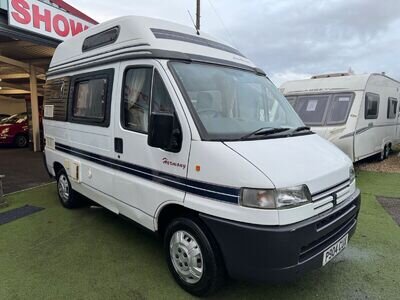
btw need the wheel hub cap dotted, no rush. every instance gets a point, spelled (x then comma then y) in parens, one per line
(186, 256)
(63, 187)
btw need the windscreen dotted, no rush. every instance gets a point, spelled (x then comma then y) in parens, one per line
(229, 103)
(14, 119)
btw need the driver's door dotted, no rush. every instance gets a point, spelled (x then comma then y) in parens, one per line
(147, 176)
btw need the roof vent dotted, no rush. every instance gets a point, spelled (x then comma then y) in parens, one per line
(330, 75)
(101, 39)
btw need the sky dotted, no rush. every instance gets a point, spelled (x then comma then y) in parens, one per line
(288, 39)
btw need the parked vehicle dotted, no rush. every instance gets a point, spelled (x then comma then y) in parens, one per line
(3, 116)
(184, 135)
(14, 130)
(358, 113)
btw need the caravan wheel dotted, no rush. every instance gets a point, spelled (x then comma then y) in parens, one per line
(383, 155)
(387, 151)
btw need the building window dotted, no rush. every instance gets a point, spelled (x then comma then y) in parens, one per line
(392, 108)
(136, 99)
(90, 99)
(371, 106)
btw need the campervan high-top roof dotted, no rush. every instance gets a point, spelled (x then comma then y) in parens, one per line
(135, 37)
(332, 82)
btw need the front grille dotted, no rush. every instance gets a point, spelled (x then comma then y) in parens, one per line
(329, 197)
(317, 246)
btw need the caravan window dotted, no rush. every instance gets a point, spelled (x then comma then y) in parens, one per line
(292, 100)
(339, 109)
(90, 98)
(371, 106)
(392, 108)
(311, 109)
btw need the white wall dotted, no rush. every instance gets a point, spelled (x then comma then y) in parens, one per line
(12, 106)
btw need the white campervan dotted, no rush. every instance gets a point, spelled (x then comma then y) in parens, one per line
(358, 113)
(184, 135)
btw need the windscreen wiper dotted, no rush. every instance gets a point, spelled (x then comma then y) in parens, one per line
(301, 128)
(265, 131)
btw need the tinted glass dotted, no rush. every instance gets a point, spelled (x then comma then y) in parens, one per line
(136, 99)
(311, 109)
(339, 109)
(371, 106)
(230, 103)
(90, 99)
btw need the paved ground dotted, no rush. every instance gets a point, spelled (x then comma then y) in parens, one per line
(23, 169)
(392, 206)
(93, 254)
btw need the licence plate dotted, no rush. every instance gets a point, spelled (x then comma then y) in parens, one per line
(335, 249)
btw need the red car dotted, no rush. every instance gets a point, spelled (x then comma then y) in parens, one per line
(15, 130)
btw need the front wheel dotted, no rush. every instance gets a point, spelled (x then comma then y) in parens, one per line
(21, 141)
(193, 257)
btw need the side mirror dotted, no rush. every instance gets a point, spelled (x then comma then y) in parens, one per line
(162, 133)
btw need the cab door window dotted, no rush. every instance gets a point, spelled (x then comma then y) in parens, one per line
(144, 89)
(136, 99)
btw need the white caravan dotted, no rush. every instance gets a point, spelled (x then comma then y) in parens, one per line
(184, 135)
(358, 113)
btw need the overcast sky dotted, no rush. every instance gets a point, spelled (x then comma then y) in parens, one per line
(288, 39)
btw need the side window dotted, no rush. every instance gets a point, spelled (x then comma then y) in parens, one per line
(136, 99)
(392, 108)
(90, 97)
(339, 109)
(371, 106)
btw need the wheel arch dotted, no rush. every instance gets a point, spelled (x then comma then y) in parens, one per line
(168, 212)
(57, 166)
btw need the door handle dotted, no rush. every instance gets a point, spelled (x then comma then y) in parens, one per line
(118, 145)
(370, 124)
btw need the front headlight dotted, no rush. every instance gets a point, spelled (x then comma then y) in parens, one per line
(352, 174)
(5, 130)
(277, 198)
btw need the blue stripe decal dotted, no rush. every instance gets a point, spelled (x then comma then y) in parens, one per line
(208, 190)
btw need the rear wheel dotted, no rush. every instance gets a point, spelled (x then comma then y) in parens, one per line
(21, 141)
(193, 257)
(68, 197)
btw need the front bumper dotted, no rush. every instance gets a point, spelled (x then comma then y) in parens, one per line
(281, 253)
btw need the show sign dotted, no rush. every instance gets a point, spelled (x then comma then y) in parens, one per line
(44, 19)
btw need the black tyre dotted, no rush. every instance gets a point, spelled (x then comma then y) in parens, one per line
(193, 257)
(21, 141)
(68, 197)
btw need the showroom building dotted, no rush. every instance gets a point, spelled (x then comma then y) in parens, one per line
(30, 30)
